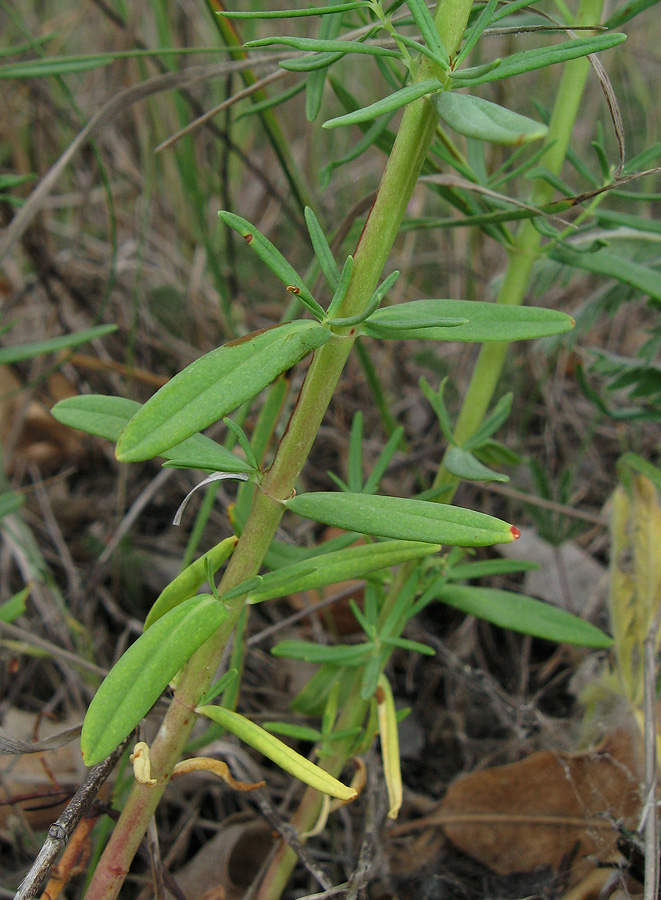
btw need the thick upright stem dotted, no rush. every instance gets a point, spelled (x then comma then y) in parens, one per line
(399, 179)
(525, 249)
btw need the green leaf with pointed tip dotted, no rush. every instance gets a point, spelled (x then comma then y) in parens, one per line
(387, 105)
(463, 464)
(138, 679)
(412, 316)
(627, 11)
(293, 13)
(188, 582)
(10, 502)
(531, 60)
(291, 730)
(409, 520)
(316, 45)
(484, 568)
(486, 322)
(214, 385)
(524, 614)
(353, 562)
(322, 249)
(611, 265)
(106, 417)
(10, 355)
(485, 121)
(338, 654)
(427, 27)
(276, 262)
(14, 607)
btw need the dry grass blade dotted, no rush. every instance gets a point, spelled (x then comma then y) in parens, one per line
(226, 104)
(114, 107)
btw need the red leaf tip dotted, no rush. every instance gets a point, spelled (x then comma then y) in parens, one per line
(516, 534)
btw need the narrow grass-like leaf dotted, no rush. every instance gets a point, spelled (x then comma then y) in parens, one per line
(294, 13)
(484, 568)
(10, 502)
(314, 88)
(463, 464)
(322, 249)
(486, 321)
(409, 520)
(531, 60)
(413, 316)
(291, 730)
(106, 417)
(370, 137)
(316, 45)
(411, 646)
(244, 443)
(188, 582)
(372, 306)
(337, 654)
(383, 461)
(311, 63)
(355, 454)
(274, 260)
(340, 565)
(342, 287)
(485, 121)
(627, 11)
(427, 28)
(492, 423)
(611, 265)
(278, 752)
(524, 614)
(388, 105)
(483, 21)
(14, 607)
(137, 680)
(214, 385)
(10, 355)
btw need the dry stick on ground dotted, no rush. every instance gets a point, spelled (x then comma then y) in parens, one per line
(60, 832)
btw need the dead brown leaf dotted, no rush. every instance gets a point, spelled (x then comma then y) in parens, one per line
(550, 809)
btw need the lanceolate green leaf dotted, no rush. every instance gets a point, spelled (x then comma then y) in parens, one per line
(463, 464)
(612, 265)
(387, 105)
(486, 121)
(9, 355)
(106, 417)
(277, 751)
(353, 562)
(294, 13)
(316, 45)
(214, 385)
(188, 582)
(274, 260)
(627, 11)
(527, 615)
(136, 682)
(427, 27)
(10, 502)
(530, 60)
(410, 520)
(486, 321)
(339, 654)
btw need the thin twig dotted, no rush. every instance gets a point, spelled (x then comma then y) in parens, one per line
(286, 831)
(60, 832)
(651, 887)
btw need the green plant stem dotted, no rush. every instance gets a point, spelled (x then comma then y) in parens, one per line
(526, 245)
(399, 179)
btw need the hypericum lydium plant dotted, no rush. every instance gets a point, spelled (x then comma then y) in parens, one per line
(406, 556)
